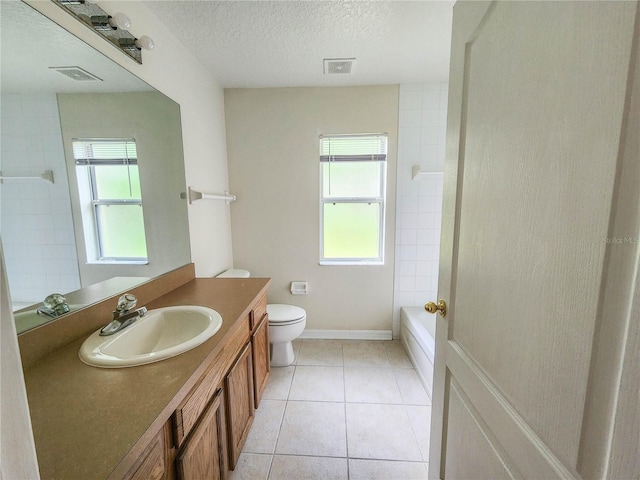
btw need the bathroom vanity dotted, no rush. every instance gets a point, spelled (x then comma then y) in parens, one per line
(186, 417)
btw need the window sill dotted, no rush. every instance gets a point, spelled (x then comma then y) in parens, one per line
(352, 262)
(118, 262)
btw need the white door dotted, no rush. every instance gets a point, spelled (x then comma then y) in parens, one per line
(538, 143)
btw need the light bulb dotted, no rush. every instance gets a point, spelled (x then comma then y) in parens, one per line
(144, 42)
(120, 20)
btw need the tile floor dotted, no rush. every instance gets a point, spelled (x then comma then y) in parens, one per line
(344, 410)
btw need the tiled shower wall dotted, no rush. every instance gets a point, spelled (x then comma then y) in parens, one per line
(421, 141)
(37, 227)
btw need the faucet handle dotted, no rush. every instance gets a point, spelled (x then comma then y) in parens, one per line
(126, 302)
(56, 303)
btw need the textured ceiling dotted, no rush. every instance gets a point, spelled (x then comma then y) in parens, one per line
(283, 43)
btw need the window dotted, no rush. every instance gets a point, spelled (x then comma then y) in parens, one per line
(352, 199)
(111, 200)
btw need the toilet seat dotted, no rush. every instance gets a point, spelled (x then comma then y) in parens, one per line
(280, 315)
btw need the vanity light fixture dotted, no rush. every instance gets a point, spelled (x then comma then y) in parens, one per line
(114, 28)
(136, 43)
(108, 22)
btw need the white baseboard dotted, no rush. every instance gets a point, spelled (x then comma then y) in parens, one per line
(347, 334)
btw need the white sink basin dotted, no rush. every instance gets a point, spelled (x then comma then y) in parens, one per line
(162, 333)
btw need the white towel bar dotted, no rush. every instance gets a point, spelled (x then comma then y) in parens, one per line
(194, 195)
(416, 173)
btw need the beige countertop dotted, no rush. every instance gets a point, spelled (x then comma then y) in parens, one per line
(85, 419)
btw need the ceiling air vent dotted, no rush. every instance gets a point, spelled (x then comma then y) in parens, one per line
(77, 73)
(338, 65)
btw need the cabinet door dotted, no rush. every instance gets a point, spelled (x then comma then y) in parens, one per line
(155, 461)
(261, 361)
(239, 403)
(204, 453)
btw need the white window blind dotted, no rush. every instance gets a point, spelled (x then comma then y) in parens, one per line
(353, 148)
(105, 152)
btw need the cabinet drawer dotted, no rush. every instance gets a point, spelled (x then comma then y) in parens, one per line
(191, 408)
(258, 311)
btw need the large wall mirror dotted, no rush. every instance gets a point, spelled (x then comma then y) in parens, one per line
(68, 235)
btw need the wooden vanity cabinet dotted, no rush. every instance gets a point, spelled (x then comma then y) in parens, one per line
(205, 436)
(239, 403)
(204, 453)
(261, 356)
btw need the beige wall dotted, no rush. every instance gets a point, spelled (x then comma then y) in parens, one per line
(272, 142)
(154, 122)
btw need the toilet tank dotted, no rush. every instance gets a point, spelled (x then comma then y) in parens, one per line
(235, 273)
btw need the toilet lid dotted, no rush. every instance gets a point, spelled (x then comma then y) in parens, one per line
(279, 313)
(235, 273)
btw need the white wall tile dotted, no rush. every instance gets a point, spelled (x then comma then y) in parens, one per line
(422, 121)
(406, 268)
(431, 97)
(43, 210)
(407, 220)
(408, 252)
(410, 87)
(431, 117)
(411, 100)
(407, 236)
(410, 118)
(430, 136)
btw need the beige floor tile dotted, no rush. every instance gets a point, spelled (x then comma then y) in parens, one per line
(266, 426)
(420, 418)
(386, 470)
(252, 466)
(413, 393)
(396, 354)
(320, 352)
(371, 385)
(364, 354)
(313, 428)
(287, 467)
(380, 432)
(279, 383)
(321, 384)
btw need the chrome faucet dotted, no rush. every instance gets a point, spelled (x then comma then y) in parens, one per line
(53, 306)
(123, 315)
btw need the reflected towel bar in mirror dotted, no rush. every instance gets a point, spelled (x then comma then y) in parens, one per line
(46, 175)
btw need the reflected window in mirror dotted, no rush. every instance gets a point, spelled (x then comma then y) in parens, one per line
(111, 200)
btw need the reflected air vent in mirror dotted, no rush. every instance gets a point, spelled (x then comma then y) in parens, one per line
(338, 65)
(77, 73)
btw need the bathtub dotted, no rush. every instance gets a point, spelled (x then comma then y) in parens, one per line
(418, 335)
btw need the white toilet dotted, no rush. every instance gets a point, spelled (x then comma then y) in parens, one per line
(286, 323)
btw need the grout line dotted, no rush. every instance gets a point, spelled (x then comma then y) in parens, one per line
(347, 457)
(344, 391)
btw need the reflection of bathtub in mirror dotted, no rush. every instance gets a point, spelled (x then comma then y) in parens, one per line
(27, 318)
